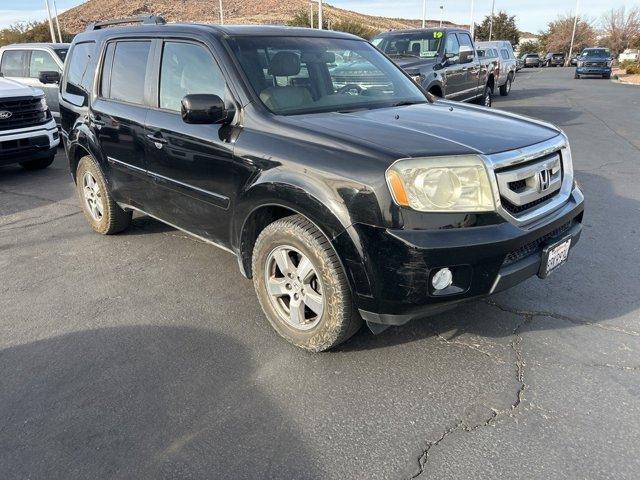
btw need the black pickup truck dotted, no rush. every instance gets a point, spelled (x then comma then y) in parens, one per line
(344, 202)
(443, 61)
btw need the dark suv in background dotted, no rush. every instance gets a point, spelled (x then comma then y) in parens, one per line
(343, 201)
(554, 60)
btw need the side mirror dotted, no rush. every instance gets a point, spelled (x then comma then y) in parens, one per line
(49, 77)
(466, 54)
(203, 108)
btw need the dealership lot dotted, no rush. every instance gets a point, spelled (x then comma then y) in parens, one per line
(146, 354)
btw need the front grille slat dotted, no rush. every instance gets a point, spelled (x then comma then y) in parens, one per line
(24, 113)
(536, 245)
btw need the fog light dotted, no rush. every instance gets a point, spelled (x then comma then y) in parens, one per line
(442, 279)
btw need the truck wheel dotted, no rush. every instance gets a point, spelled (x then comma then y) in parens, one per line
(576, 76)
(38, 164)
(301, 285)
(487, 97)
(103, 214)
(506, 88)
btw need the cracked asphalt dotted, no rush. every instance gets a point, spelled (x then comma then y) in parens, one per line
(146, 354)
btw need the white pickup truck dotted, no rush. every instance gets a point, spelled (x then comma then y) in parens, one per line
(28, 132)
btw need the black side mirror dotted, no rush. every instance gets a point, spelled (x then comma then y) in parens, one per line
(49, 77)
(466, 55)
(203, 108)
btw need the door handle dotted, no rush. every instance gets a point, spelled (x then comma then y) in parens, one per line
(157, 141)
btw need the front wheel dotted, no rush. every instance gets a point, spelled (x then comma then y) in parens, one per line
(301, 285)
(506, 88)
(487, 97)
(576, 76)
(103, 214)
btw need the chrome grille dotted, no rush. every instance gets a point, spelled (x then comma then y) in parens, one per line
(528, 185)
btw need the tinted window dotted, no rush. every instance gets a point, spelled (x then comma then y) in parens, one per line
(128, 71)
(14, 63)
(421, 44)
(41, 61)
(504, 54)
(79, 74)
(187, 68)
(465, 40)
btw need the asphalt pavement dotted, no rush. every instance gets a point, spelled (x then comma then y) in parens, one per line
(145, 355)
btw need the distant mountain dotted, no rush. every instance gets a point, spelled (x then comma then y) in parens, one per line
(268, 12)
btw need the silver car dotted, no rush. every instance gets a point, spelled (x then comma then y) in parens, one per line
(38, 65)
(507, 63)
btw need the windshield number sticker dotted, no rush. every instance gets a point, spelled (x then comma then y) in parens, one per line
(437, 34)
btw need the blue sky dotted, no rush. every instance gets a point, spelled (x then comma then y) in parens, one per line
(532, 15)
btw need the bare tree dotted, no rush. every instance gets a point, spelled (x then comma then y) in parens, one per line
(557, 36)
(621, 28)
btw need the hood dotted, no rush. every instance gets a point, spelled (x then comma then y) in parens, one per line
(441, 128)
(11, 88)
(412, 62)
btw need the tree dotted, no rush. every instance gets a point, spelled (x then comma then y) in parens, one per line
(621, 29)
(355, 28)
(529, 47)
(504, 28)
(557, 36)
(301, 19)
(27, 32)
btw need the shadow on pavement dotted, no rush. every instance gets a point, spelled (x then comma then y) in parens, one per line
(141, 402)
(556, 115)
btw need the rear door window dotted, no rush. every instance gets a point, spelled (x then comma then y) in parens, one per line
(41, 61)
(15, 63)
(127, 73)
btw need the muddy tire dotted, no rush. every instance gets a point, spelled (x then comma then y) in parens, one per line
(302, 286)
(103, 214)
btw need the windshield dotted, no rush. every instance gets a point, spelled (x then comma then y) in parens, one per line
(424, 44)
(297, 75)
(596, 52)
(61, 52)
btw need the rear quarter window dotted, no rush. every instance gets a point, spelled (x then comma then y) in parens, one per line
(79, 75)
(14, 63)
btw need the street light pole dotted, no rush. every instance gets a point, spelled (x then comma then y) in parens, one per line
(493, 6)
(53, 34)
(221, 17)
(55, 11)
(573, 34)
(424, 13)
(472, 26)
(311, 14)
(319, 14)
(441, 14)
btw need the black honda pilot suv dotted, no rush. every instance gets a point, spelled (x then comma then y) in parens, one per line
(343, 201)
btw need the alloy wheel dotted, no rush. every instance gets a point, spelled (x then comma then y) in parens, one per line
(294, 287)
(92, 196)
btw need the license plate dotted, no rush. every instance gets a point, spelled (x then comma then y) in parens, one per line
(554, 256)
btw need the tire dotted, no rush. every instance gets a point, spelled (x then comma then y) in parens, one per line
(333, 318)
(105, 217)
(608, 76)
(38, 164)
(576, 76)
(506, 88)
(486, 99)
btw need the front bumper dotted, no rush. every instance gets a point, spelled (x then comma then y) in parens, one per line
(31, 143)
(484, 260)
(593, 70)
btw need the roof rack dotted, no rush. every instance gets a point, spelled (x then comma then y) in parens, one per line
(143, 19)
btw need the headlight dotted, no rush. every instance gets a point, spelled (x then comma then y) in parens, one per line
(43, 104)
(580, 63)
(441, 184)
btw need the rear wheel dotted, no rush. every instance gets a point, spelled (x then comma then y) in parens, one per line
(301, 285)
(38, 164)
(506, 88)
(103, 214)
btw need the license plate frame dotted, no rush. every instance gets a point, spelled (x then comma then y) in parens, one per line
(554, 256)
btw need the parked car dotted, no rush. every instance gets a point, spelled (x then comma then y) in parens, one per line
(574, 60)
(594, 61)
(554, 60)
(38, 65)
(507, 64)
(630, 54)
(441, 60)
(519, 64)
(531, 60)
(341, 202)
(28, 133)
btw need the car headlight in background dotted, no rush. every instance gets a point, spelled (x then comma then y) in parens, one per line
(417, 79)
(441, 184)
